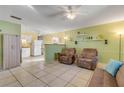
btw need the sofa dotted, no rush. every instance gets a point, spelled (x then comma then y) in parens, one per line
(101, 78)
(88, 58)
(67, 56)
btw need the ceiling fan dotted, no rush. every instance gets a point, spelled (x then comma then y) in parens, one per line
(70, 12)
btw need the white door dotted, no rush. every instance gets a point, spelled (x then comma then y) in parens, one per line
(11, 51)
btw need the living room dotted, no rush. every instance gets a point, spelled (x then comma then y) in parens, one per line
(77, 41)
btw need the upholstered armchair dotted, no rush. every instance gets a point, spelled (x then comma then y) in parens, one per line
(67, 56)
(88, 58)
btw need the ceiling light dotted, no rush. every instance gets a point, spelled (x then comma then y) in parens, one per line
(70, 16)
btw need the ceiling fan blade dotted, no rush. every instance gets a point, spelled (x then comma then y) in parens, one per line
(70, 8)
(56, 14)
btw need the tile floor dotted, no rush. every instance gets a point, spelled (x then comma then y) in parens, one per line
(39, 74)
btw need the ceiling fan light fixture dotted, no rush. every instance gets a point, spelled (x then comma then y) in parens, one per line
(70, 16)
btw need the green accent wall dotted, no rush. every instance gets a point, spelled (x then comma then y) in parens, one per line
(50, 50)
(105, 51)
(7, 28)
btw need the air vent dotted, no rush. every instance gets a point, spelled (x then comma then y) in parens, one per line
(15, 17)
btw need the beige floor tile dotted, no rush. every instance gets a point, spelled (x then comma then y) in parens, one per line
(36, 83)
(67, 76)
(50, 65)
(70, 85)
(33, 69)
(28, 64)
(72, 72)
(48, 78)
(20, 72)
(49, 70)
(25, 65)
(87, 83)
(84, 75)
(7, 80)
(17, 69)
(21, 75)
(78, 82)
(58, 72)
(58, 83)
(53, 74)
(76, 68)
(55, 63)
(64, 69)
(86, 71)
(24, 80)
(40, 74)
(41, 66)
(57, 67)
(65, 65)
(15, 84)
(4, 74)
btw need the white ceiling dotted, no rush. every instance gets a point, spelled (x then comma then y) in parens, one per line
(37, 18)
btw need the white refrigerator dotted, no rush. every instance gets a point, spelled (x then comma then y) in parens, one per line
(36, 48)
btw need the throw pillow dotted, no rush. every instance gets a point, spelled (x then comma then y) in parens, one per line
(113, 66)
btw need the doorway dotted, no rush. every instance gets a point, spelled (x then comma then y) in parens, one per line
(32, 48)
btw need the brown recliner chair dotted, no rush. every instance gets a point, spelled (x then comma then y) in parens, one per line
(88, 58)
(67, 56)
